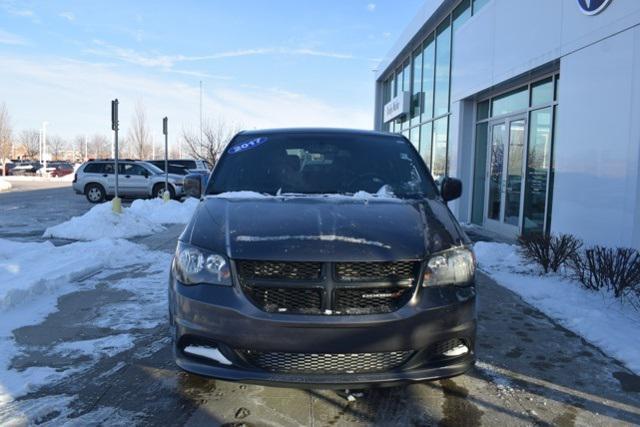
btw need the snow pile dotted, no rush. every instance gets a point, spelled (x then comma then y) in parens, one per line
(34, 276)
(597, 317)
(160, 212)
(143, 218)
(4, 185)
(100, 222)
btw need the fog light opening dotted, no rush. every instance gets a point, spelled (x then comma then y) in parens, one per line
(208, 352)
(458, 350)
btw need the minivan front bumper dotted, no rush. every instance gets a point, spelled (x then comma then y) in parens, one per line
(221, 317)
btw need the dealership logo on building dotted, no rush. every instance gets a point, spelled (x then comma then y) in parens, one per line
(593, 7)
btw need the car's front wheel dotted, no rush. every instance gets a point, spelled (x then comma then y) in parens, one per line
(158, 191)
(95, 193)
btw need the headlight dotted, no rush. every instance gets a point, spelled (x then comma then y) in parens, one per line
(455, 266)
(193, 266)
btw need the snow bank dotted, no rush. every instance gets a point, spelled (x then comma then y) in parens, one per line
(143, 218)
(159, 212)
(34, 276)
(4, 185)
(598, 317)
(32, 269)
(100, 222)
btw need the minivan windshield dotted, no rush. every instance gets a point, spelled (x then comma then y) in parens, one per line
(316, 163)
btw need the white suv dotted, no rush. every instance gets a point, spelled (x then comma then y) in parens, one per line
(96, 180)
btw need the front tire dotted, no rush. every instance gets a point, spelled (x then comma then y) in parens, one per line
(158, 191)
(95, 193)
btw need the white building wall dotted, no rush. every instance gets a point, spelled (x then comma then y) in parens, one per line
(596, 191)
(597, 147)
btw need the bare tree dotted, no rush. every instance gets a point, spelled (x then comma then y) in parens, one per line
(56, 146)
(139, 137)
(81, 147)
(216, 134)
(29, 140)
(99, 147)
(5, 136)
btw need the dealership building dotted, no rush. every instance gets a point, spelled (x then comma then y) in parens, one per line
(533, 104)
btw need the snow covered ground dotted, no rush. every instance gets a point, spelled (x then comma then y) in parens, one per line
(144, 217)
(4, 185)
(35, 275)
(598, 317)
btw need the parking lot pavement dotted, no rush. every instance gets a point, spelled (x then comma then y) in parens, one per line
(530, 371)
(30, 207)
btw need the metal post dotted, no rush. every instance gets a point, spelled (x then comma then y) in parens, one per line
(117, 206)
(165, 131)
(200, 116)
(44, 146)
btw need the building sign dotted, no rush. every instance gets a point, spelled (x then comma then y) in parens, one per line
(593, 7)
(397, 107)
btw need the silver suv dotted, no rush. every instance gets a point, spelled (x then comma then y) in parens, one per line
(136, 179)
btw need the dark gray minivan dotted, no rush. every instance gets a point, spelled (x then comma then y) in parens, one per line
(323, 258)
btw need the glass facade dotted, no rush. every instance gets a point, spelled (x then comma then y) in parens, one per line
(513, 146)
(426, 75)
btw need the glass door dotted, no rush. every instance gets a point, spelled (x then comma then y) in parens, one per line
(505, 170)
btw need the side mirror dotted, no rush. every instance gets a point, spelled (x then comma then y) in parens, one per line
(450, 189)
(193, 185)
(145, 174)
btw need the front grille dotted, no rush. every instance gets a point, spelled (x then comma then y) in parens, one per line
(375, 271)
(279, 270)
(328, 288)
(370, 300)
(328, 363)
(285, 300)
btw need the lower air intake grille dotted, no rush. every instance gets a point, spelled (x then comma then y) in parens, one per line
(332, 363)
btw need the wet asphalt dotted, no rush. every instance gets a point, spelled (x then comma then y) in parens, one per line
(530, 370)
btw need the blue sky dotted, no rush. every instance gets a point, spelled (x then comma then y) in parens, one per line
(262, 63)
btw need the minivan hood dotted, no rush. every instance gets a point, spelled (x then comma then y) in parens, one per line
(323, 229)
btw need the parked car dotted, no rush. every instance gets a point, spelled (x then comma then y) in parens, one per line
(59, 169)
(26, 168)
(8, 168)
(182, 167)
(136, 179)
(323, 258)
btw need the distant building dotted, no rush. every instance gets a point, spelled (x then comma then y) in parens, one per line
(535, 105)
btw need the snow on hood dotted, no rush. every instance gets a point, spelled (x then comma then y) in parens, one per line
(384, 192)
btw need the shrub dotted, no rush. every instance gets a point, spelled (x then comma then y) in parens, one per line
(613, 269)
(549, 251)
